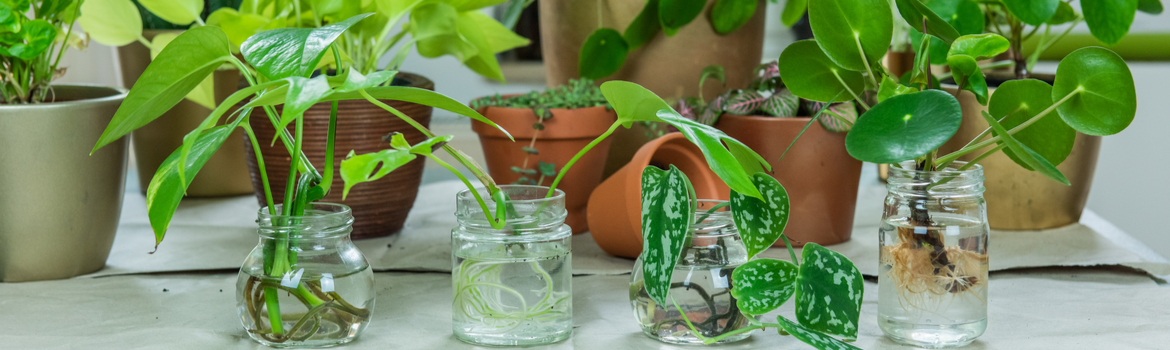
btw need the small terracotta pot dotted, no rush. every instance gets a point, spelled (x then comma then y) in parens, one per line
(379, 207)
(615, 208)
(818, 173)
(566, 133)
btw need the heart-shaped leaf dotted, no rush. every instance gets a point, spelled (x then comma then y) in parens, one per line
(914, 12)
(853, 33)
(35, 37)
(812, 337)
(1109, 20)
(1025, 154)
(667, 211)
(603, 54)
(793, 11)
(808, 73)
(179, 12)
(632, 102)
(828, 292)
(966, 72)
(355, 81)
(729, 15)
(302, 93)
(673, 14)
(287, 52)
(761, 221)
(435, 28)
(239, 27)
(490, 38)
(1034, 12)
(111, 22)
(644, 27)
(1153, 7)
(762, 285)
(904, 127)
(204, 94)
(732, 163)
(1105, 101)
(1019, 101)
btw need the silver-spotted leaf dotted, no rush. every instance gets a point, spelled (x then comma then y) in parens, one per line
(667, 211)
(762, 285)
(811, 337)
(828, 292)
(761, 221)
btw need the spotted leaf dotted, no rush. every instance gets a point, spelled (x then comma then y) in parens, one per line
(781, 104)
(816, 339)
(762, 285)
(667, 210)
(828, 292)
(744, 103)
(761, 221)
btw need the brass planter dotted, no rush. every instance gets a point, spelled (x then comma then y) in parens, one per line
(226, 173)
(1019, 199)
(60, 205)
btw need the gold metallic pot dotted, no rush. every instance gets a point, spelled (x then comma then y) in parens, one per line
(60, 205)
(226, 173)
(1019, 199)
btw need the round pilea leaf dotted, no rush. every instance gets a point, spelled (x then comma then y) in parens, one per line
(762, 285)
(964, 16)
(603, 54)
(1105, 101)
(914, 12)
(1109, 20)
(1064, 14)
(904, 127)
(828, 292)
(1034, 12)
(1019, 101)
(673, 14)
(729, 15)
(808, 73)
(843, 27)
(1152, 7)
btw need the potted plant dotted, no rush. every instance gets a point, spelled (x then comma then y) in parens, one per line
(65, 228)
(113, 23)
(934, 228)
(556, 123)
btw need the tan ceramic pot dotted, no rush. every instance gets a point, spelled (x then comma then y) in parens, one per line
(226, 173)
(379, 207)
(566, 133)
(819, 174)
(1019, 199)
(60, 205)
(615, 208)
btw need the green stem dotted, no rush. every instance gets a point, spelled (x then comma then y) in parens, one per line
(565, 169)
(260, 165)
(851, 92)
(791, 252)
(483, 205)
(282, 134)
(947, 159)
(711, 211)
(864, 60)
(270, 299)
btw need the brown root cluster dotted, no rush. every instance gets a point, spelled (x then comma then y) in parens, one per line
(922, 266)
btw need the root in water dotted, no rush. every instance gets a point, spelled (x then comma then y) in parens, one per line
(921, 266)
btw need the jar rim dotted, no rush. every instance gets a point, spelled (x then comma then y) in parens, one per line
(557, 194)
(331, 211)
(907, 167)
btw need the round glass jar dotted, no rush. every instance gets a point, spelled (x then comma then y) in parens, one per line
(932, 285)
(512, 286)
(323, 293)
(701, 284)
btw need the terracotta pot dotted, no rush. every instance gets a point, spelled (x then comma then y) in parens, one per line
(566, 133)
(226, 173)
(1019, 199)
(819, 174)
(379, 207)
(615, 208)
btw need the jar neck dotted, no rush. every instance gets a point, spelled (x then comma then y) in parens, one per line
(904, 180)
(710, 226)
(322, 222)
(528, 211)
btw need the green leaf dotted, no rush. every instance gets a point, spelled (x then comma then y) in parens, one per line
(828, 292)
(913, 11)
(111, 22)
(904, 127)
(1034, 12)
(325, 7)
(761, 221)
(547, 169)
(644, 27)
(603, 54)
(302, 93)
(732, 163)
(729, 15)
(1064, 14)
(436, 28)
(428, 146)
(1109, 20)
(667, 211)
(416, 95)
(287, 52)
(167, 186)
(843, 27)
(632, 102)
(793, 11)
(1105, 101)
(229, 103)
(1027, 155)
(1153, 7)
(890, 88)
(1019, 101)
(176, 71)
(393, 9)
(179, 12)
(489, 37)
(966, 70)
(812, 337)
(673, 14)
(356, 169)
(808, 73)
(980, 46)
(355, 81)
(762, 285)
(963, 15)
(36, 36)
(468, 5)
(204, 94)
(712, 72)
(239, 27)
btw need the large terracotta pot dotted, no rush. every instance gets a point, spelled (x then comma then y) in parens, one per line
(819, 174)
(379, 207)
(566, 133)
(60, 205)
(226, 173)
(615, 208)
(1019, 199)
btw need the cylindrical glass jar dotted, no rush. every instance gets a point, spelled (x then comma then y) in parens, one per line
(701, 284)
(512, 286)
(305, 285)
(932, 287)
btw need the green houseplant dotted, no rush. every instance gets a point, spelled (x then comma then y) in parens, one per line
(34, 35)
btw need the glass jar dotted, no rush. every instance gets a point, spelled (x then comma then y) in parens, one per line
(701, 284)
(932, 286)
(305, 285)
(512, 286)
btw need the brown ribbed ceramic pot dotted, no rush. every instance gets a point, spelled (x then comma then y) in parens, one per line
(379, 207)
(818, 173)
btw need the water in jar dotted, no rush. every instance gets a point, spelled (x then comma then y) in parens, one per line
(343, 307)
